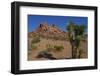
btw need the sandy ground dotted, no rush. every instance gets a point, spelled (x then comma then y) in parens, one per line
(65, 53)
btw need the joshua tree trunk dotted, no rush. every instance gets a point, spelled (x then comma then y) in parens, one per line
(74, 50)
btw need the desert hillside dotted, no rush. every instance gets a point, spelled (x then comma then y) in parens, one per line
(50, 42)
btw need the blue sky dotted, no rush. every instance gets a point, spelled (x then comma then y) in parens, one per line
(60, 21)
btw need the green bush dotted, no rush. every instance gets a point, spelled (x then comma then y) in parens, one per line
(54, 47)
(58, 48)
(35, 40)
(49, 47)
(56, 38)
(34, 47)
(29, 49)
(59, 37)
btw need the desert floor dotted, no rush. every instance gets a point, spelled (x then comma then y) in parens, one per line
(64, 54)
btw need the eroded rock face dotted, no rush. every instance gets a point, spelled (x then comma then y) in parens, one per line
(47, 30)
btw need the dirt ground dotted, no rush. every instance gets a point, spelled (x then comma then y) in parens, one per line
(65, 53)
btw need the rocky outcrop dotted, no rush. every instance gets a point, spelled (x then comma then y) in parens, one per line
(46, 30)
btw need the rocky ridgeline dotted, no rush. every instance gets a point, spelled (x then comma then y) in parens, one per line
(46, 30)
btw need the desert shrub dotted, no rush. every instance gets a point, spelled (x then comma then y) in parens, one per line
(54, 47)
(50, 37)
(80, 53)
(62, 38)
(49, 47)
(59, 37)
(29, 49)
(40, 35)
(34, 46)
(35, 39)
(58, 48)
(56, 38)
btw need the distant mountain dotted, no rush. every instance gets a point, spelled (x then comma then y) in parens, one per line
(46, 30)
(53, 29)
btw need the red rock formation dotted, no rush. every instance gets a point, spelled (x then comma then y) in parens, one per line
(48, 30)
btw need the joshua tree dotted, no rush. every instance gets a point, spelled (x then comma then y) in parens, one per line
(75, 34)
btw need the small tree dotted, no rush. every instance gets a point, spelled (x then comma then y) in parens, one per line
(75, 34)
